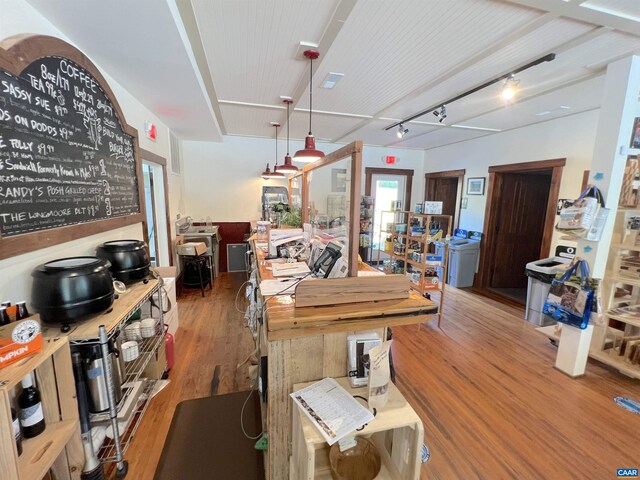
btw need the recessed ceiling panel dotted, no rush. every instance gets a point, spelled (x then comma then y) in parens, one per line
(442, 136)
(629, 9)
(527, 48)
(388, 48)
(139, 45)
(244, 120)
(375, 134)
(251, 45)
(325, 127)
(579, 97)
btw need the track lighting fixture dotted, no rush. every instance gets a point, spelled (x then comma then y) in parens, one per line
(441, 114)
(508, 77)
(402, 131)
(510, 88)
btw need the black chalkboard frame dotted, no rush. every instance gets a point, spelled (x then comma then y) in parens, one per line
(16, 53)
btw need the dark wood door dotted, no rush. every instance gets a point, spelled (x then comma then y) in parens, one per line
(519, 226)
(445, 190)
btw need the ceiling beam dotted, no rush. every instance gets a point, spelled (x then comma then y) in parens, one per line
(188, 18)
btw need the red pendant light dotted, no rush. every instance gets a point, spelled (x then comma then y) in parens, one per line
(288, 167)
(267, 174)
(309, 153)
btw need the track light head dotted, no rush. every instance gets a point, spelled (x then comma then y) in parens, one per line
(510, 88)
(441, 114)
(402, 131)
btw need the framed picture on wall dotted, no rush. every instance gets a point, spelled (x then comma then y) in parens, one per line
(635, 134)
(339, 180)
(475, 186)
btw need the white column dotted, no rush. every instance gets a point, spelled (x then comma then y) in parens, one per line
(618, 109)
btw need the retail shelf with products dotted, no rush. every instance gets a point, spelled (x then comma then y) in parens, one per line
(405, 245)
(616, 340)
(366, 228)
(58, 447)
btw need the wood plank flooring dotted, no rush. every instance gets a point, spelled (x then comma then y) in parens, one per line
(484, 385)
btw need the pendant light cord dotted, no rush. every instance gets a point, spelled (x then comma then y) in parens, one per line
(287, 129)
(310, 93)
(276, 147)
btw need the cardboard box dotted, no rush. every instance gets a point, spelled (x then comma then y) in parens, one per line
(192, 248)
(19, 340)
(157, 363)
(166, 272)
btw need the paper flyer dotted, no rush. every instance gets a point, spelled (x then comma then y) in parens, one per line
(379, 375)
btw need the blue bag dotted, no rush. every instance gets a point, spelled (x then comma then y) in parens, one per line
(570, 301)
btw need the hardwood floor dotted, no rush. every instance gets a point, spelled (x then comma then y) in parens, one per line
(212, 340)
(484, 385)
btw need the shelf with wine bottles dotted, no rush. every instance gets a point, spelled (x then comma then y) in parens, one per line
(58, 448)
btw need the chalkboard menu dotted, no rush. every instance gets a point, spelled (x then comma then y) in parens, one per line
(65, 158)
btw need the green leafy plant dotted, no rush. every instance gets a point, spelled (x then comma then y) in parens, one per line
(290, 215)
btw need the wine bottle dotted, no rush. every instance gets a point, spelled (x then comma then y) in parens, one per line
(17, 431)
(4, 316)
(21, 311)
(31, 414)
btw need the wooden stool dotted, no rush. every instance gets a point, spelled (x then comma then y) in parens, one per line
(193, 264)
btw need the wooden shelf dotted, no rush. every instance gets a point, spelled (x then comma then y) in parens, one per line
(620, 246)
(39, 453)
(59, 447)
(617, 363)
(621, 318)
(620, 279)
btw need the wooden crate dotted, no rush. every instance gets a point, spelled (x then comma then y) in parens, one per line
(396, 431)
(59, 447)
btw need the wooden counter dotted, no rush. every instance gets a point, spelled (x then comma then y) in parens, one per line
(310, 343)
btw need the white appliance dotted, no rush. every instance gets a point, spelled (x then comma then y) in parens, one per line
(358, 346)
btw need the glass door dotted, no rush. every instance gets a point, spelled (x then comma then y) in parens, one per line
(154, 198)
(388, 192)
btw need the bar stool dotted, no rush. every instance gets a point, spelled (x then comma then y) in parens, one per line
(193, 266)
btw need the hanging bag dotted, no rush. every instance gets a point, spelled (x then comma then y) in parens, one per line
(571, 297)
(578, 218)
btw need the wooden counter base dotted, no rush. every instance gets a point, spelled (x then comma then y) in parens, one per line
(305, 344)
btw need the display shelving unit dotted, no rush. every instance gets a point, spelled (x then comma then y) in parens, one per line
(114, 321)
(407, 253)
(617, 338)
(366, 228)
(57, 448)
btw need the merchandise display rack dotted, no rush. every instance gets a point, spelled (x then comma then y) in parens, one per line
(403, 246)
(616, 340)
(366, 228)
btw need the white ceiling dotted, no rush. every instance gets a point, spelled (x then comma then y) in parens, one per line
(398, 58)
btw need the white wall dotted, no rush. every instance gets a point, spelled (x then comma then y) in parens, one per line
(570, 137)
(222, 179)
(18, 17)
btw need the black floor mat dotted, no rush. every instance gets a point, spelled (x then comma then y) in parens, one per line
(205, 441)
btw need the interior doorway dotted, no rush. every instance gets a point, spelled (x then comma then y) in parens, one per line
(386, 185)
(518, 225)
(446, 187)
(156, 225)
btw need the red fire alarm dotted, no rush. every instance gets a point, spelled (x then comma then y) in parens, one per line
(390, 159)
(152, 133)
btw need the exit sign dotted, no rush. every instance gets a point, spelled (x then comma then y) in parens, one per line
(390, 160)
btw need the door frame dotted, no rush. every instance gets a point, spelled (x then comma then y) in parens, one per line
(159, 160)
(370, 171)
(448, 174)
(496, 172)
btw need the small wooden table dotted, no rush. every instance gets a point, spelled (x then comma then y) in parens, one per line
(396, 421)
